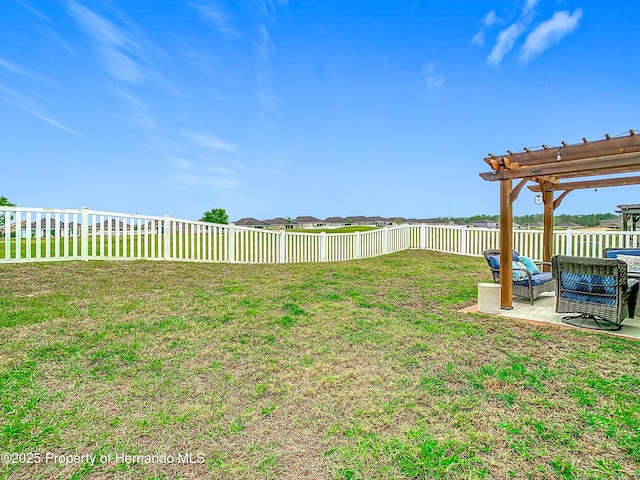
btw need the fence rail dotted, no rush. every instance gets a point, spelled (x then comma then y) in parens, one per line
(43, 234)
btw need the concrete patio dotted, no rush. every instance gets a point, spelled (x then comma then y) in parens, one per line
(543, 311)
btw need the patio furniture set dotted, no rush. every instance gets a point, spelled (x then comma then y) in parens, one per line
(600, 293)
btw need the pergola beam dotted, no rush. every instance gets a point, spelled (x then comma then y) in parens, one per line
(623, 163)
(609, 146)
(602, 183)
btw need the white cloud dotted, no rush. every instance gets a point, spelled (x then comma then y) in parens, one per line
(31, 107)
(189, 173)
(35, 11)
(220, 170)
(114, 45)
(478, 39)
(12, 67)
(212, 142)
(264, 44)
(431, 75)
(549, 33)
(505, 42)
(214, 14)
(180, 163)
(266, 95)
(220, 182)
(267, 7)
(529, 5)
(490, 19)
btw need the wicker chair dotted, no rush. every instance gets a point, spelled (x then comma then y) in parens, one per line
(597, 289)
(531, 287)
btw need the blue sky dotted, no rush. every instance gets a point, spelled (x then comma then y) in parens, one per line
(283, 108)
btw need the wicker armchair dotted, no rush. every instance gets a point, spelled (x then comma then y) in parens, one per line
(597, 289)
(530, 287)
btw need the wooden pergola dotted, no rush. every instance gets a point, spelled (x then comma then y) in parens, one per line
(630, 213)
(585, 164)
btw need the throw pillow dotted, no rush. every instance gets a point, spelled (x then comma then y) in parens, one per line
(533, 269)
(494, 261)
(632, 261)
(518, 271)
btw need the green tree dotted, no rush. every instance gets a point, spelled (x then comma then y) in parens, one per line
(4, 202)
(216, 215)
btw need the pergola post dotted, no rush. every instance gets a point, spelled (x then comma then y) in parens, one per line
(547, 235)
(506, 243)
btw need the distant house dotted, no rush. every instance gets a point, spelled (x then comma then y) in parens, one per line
(279, 223)
(614, 223)
(335, 222)
(155, 226)
(378, 221)
(54, 228)
(357, 220)
(568, 225)
(250, 222)
(484, 224)
(308, 222)
(75, 228)
(425, 221)
(109, 227)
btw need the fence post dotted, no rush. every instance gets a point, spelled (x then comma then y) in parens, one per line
(463, 241)
(166, 234)
(385, 239)
(84, 234)
(231, 251)
(569, 240)
(423, 236)
(357, 245)
(323, 246)
(7, 234)
(282, 256)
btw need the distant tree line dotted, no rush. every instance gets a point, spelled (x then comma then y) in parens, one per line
(589, 220)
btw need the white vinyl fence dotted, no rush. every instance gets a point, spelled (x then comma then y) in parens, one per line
(43, 234)
(473, 241)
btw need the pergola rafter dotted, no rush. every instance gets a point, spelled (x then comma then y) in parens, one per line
(548, 167)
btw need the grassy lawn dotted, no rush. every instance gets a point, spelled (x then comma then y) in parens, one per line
(352, 370)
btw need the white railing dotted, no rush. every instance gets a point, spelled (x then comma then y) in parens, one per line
(41, 234)
(473, 241)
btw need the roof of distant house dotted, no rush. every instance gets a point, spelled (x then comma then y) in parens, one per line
(250, 222)
(569, 225)
(43, 223)
(307, 219)
(356, 218)
(430, 221)
(277, 221)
